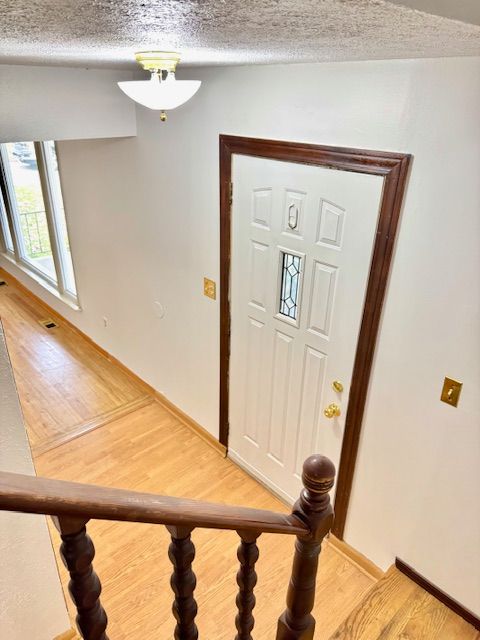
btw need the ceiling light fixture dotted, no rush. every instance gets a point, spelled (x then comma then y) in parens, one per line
(162, 91)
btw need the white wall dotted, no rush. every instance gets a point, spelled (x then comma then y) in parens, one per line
(464, 10)
(44, 103)
(143, 215)
(31, 598)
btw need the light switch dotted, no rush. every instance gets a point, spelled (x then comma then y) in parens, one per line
(451, 391)
(209, 288)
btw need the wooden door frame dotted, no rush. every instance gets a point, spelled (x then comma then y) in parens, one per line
(393, 167)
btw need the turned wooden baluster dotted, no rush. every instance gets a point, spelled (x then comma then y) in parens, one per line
(183, 581)
(247, 554)
(314, 508)
(77, 552)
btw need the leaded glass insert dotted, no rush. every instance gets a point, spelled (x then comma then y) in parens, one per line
(290, 283)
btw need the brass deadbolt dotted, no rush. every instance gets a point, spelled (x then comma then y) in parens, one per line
(337, 386)
(209, 288)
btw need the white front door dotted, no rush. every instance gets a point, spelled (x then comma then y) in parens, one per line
(302, 239)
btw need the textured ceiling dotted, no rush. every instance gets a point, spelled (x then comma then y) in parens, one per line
(108, 32)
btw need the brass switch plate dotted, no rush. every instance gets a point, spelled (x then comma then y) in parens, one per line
(451, 391)
(209, 288)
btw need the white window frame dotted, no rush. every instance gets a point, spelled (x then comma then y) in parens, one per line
(51, 203)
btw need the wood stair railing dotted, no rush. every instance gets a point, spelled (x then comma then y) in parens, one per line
(72, 505)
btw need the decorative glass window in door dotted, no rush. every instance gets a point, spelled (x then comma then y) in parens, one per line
(290, 283)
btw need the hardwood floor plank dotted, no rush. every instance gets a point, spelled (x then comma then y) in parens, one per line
(64, 383)
(372, 615)
(455, 628)
(396, 608)
(95, 423)
(420, 617)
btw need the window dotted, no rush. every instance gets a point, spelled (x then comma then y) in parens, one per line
(4, 228)
(32, 216)
(289, 286)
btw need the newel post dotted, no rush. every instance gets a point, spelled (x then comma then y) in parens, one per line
(314, 508)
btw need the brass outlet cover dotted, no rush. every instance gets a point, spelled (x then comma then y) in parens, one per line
(451, 391)
(209, 288)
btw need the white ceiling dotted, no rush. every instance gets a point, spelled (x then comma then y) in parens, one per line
(108, 32)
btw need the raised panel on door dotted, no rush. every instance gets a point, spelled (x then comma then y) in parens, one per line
(253, 381)
(259, 254)
(322, 297)
(311, 392)
(330, 225)
(281, 382)
(262, 207)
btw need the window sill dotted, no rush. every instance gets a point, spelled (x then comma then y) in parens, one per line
(39, 280)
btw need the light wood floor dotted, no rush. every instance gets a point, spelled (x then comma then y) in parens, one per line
(398, 609)
(150, 450)
(66, 387)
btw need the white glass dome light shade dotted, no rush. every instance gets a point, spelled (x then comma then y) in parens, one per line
(160, 94)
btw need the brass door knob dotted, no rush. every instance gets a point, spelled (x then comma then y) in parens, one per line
(333, 410)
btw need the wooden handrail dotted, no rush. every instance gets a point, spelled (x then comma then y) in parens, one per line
(72, 505)
(31, 494)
